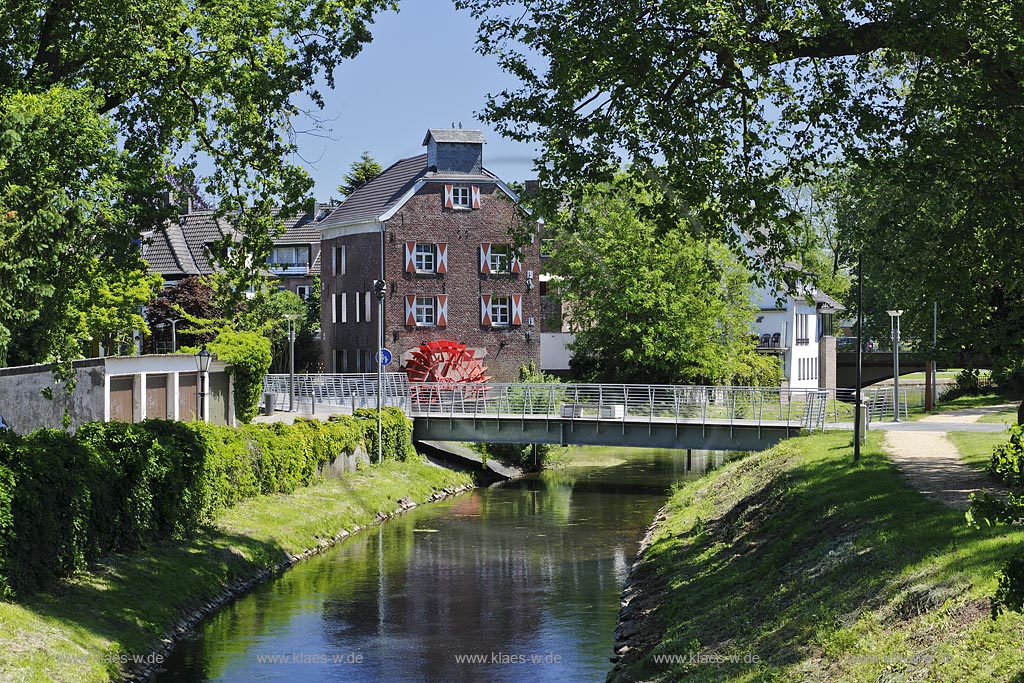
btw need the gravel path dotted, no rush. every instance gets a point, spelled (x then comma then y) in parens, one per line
(931, 464)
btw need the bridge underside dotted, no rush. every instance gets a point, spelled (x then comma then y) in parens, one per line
(639, 434)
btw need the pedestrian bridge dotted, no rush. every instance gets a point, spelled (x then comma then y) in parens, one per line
(653, 416)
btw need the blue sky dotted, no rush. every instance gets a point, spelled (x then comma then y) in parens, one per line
(420, 72)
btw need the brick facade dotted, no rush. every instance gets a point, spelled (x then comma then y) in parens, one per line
(423, 218)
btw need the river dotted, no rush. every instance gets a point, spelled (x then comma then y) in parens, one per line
(517, 582)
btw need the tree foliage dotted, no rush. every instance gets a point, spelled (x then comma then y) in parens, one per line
(739, 99)
(654, 307)
(104, 107)
(360, 173)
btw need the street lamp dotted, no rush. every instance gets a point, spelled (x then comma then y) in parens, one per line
(203, 359)
(380, 288)
(174, 333)
(290, 317)
(894, 321)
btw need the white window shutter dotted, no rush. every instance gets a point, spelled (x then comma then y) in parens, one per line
(410, 310)
(517, 266)
(442, 310)
(442, 257)
(410, 257)
(485, 310)
(449, 196)
(485, 257)
(517, 309)
(475, 192)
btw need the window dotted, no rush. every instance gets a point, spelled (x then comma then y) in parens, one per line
(289, 258)
(303, 291)
(369, 305)
(425, 258)
(500, 260)
(344, 307)
(501, 310)
(460, 196)
(334, 308)
(338, 260)
(357, 306)
(425, 313)
(802, 320)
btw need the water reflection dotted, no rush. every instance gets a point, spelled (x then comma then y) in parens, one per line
(524, 578)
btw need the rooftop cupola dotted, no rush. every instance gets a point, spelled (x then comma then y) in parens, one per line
(454, 150)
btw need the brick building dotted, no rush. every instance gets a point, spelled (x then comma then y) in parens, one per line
(438, 229)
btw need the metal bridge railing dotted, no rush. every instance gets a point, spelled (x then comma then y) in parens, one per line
(624, 402)
(346, 390)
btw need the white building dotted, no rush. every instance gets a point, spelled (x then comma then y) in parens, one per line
(798, 329)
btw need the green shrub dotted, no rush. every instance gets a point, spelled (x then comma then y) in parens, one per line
(1008, 374)
(250, 357)
(65, 500)
(396, 429)
(1007, 461)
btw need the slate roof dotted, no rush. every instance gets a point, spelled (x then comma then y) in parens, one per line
(376, 197)
(454, 135)
(380, 194)
(180, 248)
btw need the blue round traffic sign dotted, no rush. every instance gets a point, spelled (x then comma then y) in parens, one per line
(384, 357)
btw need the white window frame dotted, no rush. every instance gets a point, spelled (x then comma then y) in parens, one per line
(303, 291)
(340, 260)
(289, 257)
(425, 311)
(499, 260)
(462, 197)
(424, 257)
(501, 311)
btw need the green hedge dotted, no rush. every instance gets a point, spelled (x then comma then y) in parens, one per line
(65, 500)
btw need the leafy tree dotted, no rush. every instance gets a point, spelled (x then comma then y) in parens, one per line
(107, 309)
(726, 104)
(652, 307)
(101, 106)
(360, 173)
(189, 300)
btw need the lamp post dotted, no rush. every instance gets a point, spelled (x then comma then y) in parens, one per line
(859, 413)
(203, 359)
(174, 333)
(290, 317)
(895, 324)
(380, 289)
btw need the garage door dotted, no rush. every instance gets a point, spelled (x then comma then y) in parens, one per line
(156, 397)
(121, 402)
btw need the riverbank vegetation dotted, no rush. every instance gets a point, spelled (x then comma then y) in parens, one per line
(804, 567)
(155, 520)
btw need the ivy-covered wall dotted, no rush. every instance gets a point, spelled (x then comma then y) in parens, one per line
(67, 499)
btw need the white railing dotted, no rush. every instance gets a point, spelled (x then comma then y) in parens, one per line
(623, 402)
(348, 390)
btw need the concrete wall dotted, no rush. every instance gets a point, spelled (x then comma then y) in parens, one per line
(25, 409)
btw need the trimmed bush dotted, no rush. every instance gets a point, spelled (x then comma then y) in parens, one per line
(65, 500)
(396, 430)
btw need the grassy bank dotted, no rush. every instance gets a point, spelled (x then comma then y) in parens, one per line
(804, 567)
(122, 607)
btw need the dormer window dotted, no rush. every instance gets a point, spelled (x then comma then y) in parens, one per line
(460, 196)
(289, 259)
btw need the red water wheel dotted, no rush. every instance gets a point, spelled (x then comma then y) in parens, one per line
(445, 361)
